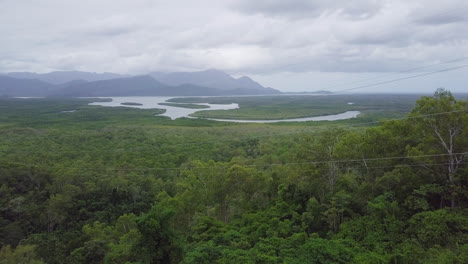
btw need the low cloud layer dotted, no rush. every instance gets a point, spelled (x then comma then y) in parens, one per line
(241, 37)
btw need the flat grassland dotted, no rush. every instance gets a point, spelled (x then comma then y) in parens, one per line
(191, 106)
(295, 106)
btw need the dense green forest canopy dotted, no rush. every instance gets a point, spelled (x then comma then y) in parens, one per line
(119, 185)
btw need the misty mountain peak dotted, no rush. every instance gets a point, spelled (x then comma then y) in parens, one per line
(211, 78)
(215, 71)
(245, 78)
(76, 83)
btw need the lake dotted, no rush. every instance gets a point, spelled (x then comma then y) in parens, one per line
(149, 102)
(342, 116)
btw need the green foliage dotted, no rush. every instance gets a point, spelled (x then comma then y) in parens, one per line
(317, 250)
(119, 185)
(20, 255)
(440, 227)
(158, 243)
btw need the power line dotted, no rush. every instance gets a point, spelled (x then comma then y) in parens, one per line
(399, 72)
(400, 79)
(267, 164)
(354, 168)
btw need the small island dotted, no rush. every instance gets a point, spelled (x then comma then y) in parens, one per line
(130, 103)
(191, 106)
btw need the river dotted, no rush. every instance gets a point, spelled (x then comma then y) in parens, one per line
(150, 102)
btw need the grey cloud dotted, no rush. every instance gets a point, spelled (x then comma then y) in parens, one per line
(112, 31)
(440, 13)
(310, 9)
(439, 19)
(238, 36)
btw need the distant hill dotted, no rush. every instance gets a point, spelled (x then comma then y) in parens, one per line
(142, 86)
(211, 78)
(24, 87)
(60, 77)
(133, 86)
(314, 92)
(205, 83)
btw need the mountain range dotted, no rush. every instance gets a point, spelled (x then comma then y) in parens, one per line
(88, 84)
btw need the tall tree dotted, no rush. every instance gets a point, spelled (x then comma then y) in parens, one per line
(442, 121)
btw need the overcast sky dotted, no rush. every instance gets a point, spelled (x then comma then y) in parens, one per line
(291, 45)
